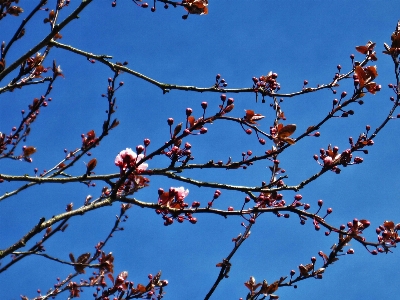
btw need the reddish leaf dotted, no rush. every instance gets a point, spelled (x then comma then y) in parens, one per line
(303, 271)
(360, 95)
(177, 129)
(91, 134)
(141, 288)
(29, 151)
(249, 114)
(362, 76)
(264, 288)
(251, 117)
(310, 129)
(368, 47)
(191, 120)
(290, 141)
(362, 49)
(81, 260)
(371, 72)
(229, 108)
(272, 288)
(52, 14)
(198, 7)
(114, 124)
(395, 41)
(14, 10)
(107, 262)
(389, 225)
(91, 165)
(71, 257)
(39, 69)
(365, 77)
(324, 256)
(320, 271)
(373, 57)
(111, 277)
(286, 131)
(57, 37)
(371, 87)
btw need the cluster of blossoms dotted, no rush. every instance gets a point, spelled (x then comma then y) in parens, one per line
(127, 159)
(388, 235)
(174, 198)
(266, 84)
(331, 158)
(89, 140)
(176, 153)
(269, 200)
(197, 7)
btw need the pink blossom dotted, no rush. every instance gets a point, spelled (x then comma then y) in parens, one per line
(127, 159)
(181, 193)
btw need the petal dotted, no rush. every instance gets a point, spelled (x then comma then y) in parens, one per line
(143, 166)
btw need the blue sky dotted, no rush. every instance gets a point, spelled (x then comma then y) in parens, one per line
(239, 40)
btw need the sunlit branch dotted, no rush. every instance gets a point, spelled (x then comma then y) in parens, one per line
(214, 184)
(43, 224)
(167, 87)
(59, 170)
(21, 84)
(226, 265)
(36, 247)
(21, 27)
(46, 40)
(55, 259)
(38, 179)
(227, 213)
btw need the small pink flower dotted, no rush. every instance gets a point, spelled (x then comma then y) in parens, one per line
(181, 193)
(127, 159)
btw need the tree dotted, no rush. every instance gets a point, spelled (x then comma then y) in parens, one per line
(122, 110)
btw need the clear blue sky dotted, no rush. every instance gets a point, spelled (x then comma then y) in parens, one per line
(239, 39)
